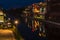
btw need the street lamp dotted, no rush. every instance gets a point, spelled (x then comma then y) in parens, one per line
(16, 22)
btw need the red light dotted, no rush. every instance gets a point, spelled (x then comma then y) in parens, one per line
(32, 30)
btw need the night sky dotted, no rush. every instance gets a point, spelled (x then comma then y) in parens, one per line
(7, 4)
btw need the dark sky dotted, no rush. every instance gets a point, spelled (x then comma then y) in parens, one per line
(7, 4)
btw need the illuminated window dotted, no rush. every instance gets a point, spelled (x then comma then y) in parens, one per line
(36, 24)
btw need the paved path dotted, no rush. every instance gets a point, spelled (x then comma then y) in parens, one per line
(6, 34)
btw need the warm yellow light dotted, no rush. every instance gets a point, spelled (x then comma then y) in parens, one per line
(40, 3)
(1, 18)
(1, 13)
(40, 34)
(8, 23)
(16, 22)
(36, 24)
(6, 31)
(40, 17)
(36, 10)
